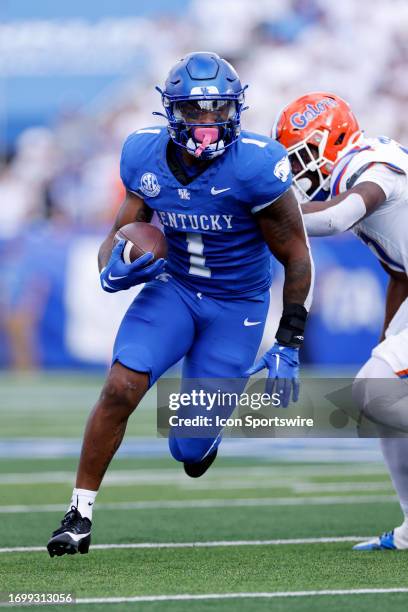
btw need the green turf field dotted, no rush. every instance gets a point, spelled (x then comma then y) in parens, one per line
(281, 532)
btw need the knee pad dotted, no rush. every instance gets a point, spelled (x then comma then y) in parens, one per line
(191, 450)
(382, 397)
(367, 384)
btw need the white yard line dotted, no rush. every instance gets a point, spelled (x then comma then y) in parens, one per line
(235, 482)
(272, 474)
(212, 503)
(271, 595)
(340, 487)
(295, 486)
(210, 544)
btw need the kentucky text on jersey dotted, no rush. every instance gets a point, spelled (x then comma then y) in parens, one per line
(214, 243)
(195, 222)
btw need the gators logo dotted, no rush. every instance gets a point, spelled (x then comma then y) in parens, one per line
(311, 112)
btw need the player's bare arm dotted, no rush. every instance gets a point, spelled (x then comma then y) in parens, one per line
(132, 209)
(342, 212)
(283, 231)
(282, 228)
(397, 292)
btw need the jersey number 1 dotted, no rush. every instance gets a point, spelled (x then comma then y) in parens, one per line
(195, 247)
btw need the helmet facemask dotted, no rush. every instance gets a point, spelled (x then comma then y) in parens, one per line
(205, 122)
(204, 126)
(311, 169)
(314, 152)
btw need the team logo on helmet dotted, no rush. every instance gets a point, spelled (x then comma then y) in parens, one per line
(209, 90)
(149, 185)
(300, 120)
(282, 169)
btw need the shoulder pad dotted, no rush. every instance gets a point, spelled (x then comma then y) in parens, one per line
(262, 167)
(374, 151)
(137, 136)
(257, 154)
(136, 149)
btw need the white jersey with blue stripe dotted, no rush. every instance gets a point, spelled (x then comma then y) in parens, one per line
(214, 242)
(384, 162)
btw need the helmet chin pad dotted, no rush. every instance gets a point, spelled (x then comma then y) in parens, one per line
(205, 136)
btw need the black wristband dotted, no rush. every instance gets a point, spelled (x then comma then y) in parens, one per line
(292, 325)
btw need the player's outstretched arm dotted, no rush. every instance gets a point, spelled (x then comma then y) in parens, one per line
(342, 212)
(115, 275)
(282, 228)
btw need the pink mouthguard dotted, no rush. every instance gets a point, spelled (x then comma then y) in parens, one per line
(205, 135)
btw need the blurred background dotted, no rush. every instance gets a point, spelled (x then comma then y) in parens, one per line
(77, 78)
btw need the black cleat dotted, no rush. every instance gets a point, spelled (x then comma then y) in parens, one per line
(73, 536)
(195, 470)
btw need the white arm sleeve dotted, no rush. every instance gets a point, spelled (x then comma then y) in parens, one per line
(336, 219)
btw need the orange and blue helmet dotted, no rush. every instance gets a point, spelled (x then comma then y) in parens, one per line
(315, 129)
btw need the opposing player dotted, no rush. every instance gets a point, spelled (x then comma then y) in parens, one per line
(225, 202)
(361, 184)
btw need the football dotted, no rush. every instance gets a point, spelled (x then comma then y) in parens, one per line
(141, 238)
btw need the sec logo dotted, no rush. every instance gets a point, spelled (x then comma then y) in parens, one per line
(149, 185)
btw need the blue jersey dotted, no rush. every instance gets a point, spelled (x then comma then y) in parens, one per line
(214, 242)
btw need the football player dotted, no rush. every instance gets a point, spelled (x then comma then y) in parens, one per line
(224, 198)
(349, 181)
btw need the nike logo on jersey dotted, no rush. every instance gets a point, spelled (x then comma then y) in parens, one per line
(250, 323)
(215, 191)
